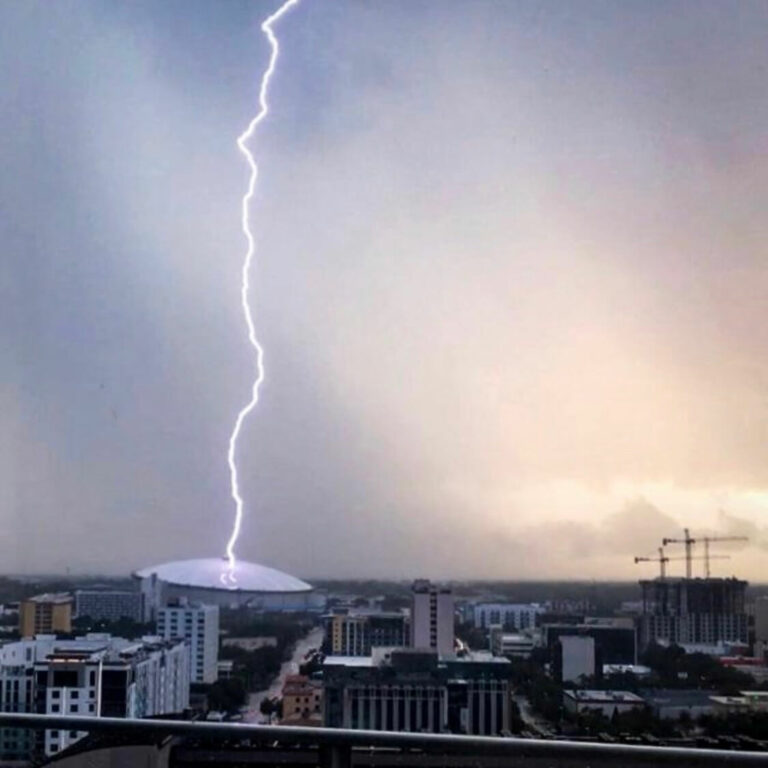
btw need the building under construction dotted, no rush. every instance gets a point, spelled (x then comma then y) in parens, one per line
(701, 612)
(693, 611)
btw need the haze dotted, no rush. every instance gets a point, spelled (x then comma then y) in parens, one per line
(511, 284)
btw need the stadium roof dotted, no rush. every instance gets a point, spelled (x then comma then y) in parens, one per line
(213, 573)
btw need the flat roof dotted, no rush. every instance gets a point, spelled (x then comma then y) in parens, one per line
(348, 661)
(605, 697)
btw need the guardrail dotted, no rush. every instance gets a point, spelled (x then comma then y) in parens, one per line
(335, 745)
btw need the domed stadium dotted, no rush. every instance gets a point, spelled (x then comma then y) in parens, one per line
(209, 580)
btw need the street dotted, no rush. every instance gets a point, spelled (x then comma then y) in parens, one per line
(290, 667)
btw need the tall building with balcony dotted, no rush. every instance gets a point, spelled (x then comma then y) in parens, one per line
(45, 614)
(95, 675)
(199, 626)
(701, 612)
(432, 617)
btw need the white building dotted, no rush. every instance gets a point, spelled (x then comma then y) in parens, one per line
(432, 617)
(577, 657)
(515, 616)
(512, 645)
(210, 581)
(96, 675)
(199, 626)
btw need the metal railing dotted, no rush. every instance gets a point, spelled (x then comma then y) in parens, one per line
(336, 745)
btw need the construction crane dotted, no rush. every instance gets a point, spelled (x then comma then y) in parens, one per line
(663, 559)
(689, 542)
(707, 539)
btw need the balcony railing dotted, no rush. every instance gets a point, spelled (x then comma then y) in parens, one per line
(342, 747)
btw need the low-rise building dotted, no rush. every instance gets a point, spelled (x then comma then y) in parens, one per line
(607, 703)
(746, 701)
(225, 669)
(515, 645)
(409, 689)
(674, 703)
(302, 701)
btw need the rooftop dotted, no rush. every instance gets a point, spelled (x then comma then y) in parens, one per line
(605, 697)
(213, 573)
(50, 597)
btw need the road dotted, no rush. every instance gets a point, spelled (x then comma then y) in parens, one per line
(538, 725)
(290, 667)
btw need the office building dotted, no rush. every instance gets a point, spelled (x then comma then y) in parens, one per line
(109, 604)
(45, 614)
(199, 626)
(576, 658)
(513, 645)
(356, 632)
(410, 689)
(701, 612)
(509, 616)
(432, 617)
(615, 639)
(95, 675)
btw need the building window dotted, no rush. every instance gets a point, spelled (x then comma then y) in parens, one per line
(74, 694)
(73, 708)
(54, 707)
(55, 694)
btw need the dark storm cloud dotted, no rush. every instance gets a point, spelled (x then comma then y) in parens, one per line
(510, 275)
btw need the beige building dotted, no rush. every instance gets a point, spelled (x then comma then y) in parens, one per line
(45, 614)
(302, 701)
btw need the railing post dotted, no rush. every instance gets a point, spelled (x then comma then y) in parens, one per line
(335, 756)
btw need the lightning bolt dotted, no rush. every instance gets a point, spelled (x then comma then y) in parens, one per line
(228, 577)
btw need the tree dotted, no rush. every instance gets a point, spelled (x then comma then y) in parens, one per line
(226, 695)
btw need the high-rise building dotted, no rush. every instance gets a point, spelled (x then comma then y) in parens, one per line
(44, 614)
(109, 604)
(693, 612)
(761, 620)
(199, 626)
(95, 675)
(357, 632)
(432, 617)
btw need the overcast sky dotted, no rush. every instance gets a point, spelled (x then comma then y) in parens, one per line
(511, 283)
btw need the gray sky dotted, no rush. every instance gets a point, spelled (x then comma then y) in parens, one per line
(511, 282)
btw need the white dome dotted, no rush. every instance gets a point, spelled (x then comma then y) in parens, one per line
(213, 573)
